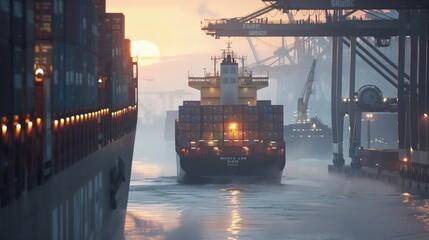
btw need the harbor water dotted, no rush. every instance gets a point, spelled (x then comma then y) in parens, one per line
(308, 204)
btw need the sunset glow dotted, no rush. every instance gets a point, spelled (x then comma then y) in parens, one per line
(146, 52)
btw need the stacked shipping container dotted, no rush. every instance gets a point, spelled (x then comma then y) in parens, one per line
(16, 37)
(229, 125)
(59, 101)
(117, 70)
(16, 93)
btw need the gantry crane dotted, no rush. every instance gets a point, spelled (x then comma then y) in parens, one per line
(305, 96)
(286, 5)
(171, 95)
(340, 24)
(412, 22)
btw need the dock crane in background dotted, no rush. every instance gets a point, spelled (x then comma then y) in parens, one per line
(251, 20)
(339, 22)
(308, 137)
(163, 95)
(302, 106)
(171, 95)
(151, 113)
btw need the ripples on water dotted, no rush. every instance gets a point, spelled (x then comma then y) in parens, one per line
(309, 204)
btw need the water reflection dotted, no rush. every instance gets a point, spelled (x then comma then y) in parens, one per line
(145, 170)
(159, 208)
(234, 203)
(137, 226)
(423, 210)
(150, 222)
(420, 206)
(406, 197)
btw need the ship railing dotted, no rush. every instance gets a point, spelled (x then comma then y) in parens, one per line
(203, 81)
(261, 23)
(254, 81)
(74, 136)
(212, 22)
(414, 171)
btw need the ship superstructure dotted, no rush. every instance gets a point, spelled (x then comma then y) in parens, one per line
(68, 116)
(229, 134)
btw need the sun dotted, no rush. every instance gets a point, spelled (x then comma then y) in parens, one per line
(146, 52)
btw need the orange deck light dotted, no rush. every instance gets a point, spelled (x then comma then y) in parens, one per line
(233, 126)
(38, 122)
(17, 131)
(3, 129)
(29, 126)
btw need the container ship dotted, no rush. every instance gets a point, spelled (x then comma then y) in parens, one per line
(228, 135)
(308, 138)
(68, 119)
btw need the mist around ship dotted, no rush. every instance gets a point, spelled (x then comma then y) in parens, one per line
(309, 204)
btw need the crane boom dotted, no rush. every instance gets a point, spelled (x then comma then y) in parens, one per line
(350, 4)
(305, 96)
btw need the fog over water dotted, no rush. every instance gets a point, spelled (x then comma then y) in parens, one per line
(309, 204)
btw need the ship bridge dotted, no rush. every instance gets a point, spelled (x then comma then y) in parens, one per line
(231, 86)
(246, 80)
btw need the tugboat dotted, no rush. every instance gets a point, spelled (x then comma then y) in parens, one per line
(229, 135)
(309, 139)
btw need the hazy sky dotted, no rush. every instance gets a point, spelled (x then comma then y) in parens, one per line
(174, 25)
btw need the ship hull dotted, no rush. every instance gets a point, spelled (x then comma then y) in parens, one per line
(76, 203)
(308, 140)
(222, 169)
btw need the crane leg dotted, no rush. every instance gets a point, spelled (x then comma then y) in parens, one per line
(336, 107)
